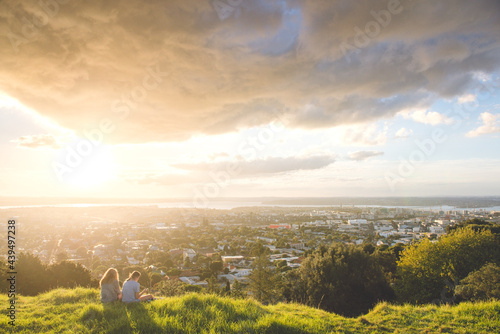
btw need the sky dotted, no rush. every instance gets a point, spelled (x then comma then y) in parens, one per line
(249, 98)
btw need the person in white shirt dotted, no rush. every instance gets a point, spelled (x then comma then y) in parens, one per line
(131, 287)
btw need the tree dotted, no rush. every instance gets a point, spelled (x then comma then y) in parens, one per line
(282, 266)
(216, 267)
(96, 261)
(483, 284)
(169, 288)
(429, 271)
(387, 261)
(368, 248)
(187, 263)
(174, 272)
(158, 258)
(397, 250)
(213, 286)
(155, 278)
(61, 256)
(4, 284)
(342, 279)
(264, 284)
(258, 249)
(237, 290)
(69, 275)
(477, 225)
(32, 275)
(82, 252)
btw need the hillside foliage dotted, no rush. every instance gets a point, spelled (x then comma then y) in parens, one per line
(429, 272)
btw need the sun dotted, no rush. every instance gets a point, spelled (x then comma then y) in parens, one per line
(95, 170)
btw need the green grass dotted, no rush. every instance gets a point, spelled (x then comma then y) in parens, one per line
(80, 311)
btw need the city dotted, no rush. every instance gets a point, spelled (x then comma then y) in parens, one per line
(181, 243)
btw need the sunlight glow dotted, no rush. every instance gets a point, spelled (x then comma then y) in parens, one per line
(93, 172)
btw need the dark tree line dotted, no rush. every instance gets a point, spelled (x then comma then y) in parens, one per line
(34, 277)
(342, 278)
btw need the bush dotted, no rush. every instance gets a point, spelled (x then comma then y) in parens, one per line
(426, 270)
(69, 275)
(171, 288)
(483, 284)
(33, 274)
(36, 277)
(343, 279)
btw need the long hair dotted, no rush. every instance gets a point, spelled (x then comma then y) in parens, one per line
(133, 276)
(109, 276)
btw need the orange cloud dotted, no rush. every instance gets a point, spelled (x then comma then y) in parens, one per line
(169, 70)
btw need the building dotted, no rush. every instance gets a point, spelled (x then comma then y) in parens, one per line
(188, 253)
(358, 222)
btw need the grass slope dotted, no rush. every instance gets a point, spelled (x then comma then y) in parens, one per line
(80, 311)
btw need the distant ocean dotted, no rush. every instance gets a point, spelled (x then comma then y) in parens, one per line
(223, 205)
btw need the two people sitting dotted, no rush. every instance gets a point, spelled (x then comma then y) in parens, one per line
(110, 288)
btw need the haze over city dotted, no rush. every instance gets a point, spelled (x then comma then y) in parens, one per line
(281, 98)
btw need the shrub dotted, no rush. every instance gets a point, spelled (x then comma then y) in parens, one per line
(426, 270)
(483, 284)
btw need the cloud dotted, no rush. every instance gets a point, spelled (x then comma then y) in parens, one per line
(368, 135)
(231, 170)
(218, 155)
(491, 124)
(264, 166)
(466, 98)
(164, 179)
(197, 74)
(38, 141)
(404, 133)
(427, 117)
(363, 155)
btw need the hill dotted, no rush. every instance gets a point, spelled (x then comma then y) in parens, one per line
(80, 311)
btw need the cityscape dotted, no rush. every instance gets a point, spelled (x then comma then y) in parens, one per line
(180, 243)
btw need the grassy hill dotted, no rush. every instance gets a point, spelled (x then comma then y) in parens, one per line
(80, 311)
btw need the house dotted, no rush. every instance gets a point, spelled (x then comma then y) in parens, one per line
(189, 253)
(279, 227)
(242, 272)
(176, 252)
(229, 277)
(132, 261)
(100, 250)
(358, 222)
(297, 245)
(436, 229)
(190, 280)
(232, 259)
(268, 240)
